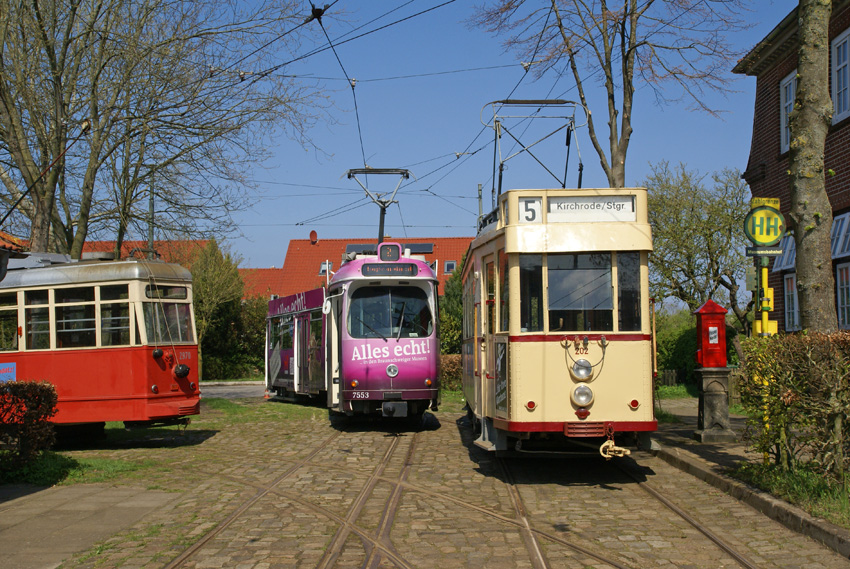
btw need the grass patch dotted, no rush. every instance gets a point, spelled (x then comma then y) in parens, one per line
(452, 401)
(681, 391)
(51, 468)
(663, 416)
(818, 495)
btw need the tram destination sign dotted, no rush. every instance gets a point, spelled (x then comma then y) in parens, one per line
(583, 209)
(389, 270)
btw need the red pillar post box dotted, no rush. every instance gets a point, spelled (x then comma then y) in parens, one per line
(711, 335)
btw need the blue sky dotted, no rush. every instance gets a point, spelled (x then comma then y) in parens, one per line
(420, 89)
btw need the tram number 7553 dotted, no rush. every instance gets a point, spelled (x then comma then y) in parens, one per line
(360, 395)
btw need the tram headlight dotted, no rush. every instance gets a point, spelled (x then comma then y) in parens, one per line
(392, 370)
(582, 369)
(582, 395)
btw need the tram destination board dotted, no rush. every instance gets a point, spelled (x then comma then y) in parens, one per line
(389, 270)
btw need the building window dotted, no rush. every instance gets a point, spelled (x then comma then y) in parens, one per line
(792, 311)
(450, 266)
(787, 89)
(325, 267)
(842, 288)
(840, 236)
(840, 79)
(786, 261)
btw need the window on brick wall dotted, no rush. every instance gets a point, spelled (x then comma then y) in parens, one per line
(841, 76)
(842, 289)
(786, 260)
(840, 236)
(792, 311)
(787, 89)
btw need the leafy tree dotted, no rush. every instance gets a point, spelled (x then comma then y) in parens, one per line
(811, 212)
(451, 314)
(216, 286)
(698, 238)
(677, 49)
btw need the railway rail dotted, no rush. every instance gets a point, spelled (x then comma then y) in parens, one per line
(373, 523)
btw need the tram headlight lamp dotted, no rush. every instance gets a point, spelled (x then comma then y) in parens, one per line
(392, 370)
(582, 395)
(582, 369)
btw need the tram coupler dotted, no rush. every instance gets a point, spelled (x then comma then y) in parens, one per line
(609, 450)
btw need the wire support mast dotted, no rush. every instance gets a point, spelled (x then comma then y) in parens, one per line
(503, 122)
(379, 198)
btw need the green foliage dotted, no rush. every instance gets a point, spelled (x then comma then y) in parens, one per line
(805, 486)
(796, 390)
(676, 341)
(233, 346)
(698, 245)
(451, 372)
(25, 429)
(451, 313)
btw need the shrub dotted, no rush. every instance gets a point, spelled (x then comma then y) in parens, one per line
(797, 390)
(25, 410)
(451, 372)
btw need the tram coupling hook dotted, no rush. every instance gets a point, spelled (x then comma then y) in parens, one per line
(609, 450)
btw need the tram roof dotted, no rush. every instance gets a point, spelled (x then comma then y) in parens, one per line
(78, 272)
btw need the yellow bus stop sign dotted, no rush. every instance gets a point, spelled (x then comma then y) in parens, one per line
(764, 226)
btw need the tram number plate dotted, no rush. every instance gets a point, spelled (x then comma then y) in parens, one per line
(360, 395)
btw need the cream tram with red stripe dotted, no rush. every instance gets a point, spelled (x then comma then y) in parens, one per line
(557, 335)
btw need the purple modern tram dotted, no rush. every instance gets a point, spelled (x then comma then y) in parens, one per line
(367, 342)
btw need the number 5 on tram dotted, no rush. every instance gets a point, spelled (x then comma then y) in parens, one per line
(557, 338)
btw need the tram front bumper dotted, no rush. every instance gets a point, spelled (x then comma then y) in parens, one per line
(394, 409)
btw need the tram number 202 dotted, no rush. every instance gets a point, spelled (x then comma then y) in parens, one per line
(581, 350)
(360, 395)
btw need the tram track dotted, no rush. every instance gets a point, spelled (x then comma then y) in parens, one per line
(262, 492)
(375, 504)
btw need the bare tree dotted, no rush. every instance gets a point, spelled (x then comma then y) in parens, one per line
(811, 212)
(186, 93)
(677, 48)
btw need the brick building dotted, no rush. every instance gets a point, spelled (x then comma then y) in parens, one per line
(773, 62)
(308, 261)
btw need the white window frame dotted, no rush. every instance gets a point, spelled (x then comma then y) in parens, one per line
(787, 91)
(326, 267)
(842, 292)
(840, 236)
(786, 261)
(450, 267)
(840, 75)
(792, 307)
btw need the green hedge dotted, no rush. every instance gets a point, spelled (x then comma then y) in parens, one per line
(796, 389)
(25, 429)
(451, 372)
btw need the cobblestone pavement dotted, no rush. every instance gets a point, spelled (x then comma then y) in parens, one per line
(317, 493)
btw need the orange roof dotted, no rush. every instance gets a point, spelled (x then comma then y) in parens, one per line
(262, 283)
(304, 258)
(181, 251)
(11, 243)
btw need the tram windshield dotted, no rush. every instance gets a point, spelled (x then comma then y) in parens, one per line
(389, 312)
(168, 322)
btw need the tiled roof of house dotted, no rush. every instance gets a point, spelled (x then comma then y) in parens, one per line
(11, 243)
(262, 283)
(304, 258)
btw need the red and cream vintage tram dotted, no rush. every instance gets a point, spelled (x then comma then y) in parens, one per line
(557, 345)
(116, 339)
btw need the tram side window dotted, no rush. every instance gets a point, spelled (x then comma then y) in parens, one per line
(531, 292)
(37, 320)
(8, 321)
(580, 292)
(168, 322)
(75, 323)
(504, 309)
(114, 315)
(628, 291)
